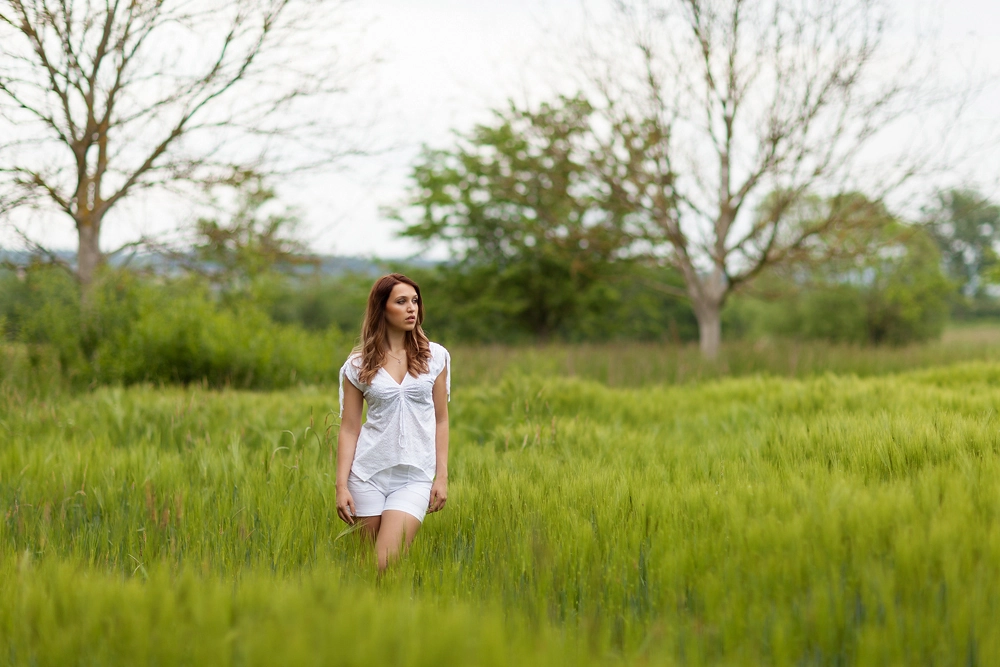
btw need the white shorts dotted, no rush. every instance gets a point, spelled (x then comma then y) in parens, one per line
(401, 487)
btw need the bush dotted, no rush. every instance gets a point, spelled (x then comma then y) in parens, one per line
(181, 336)
(140, 330)
(897, 296)
(317, 303)
(42, 310)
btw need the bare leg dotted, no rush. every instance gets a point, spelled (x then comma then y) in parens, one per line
(397, 530)
(369, 527)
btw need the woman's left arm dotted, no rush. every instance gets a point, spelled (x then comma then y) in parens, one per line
(439, 490)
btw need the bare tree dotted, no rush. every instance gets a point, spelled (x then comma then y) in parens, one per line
(101, 99)
(727, 114)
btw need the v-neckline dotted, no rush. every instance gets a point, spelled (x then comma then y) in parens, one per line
(398, 384)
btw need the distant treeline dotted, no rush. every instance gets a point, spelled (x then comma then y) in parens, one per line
(247, 306)
(143, 328)
(276, 330)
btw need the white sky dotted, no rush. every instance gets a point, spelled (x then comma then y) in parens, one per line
(446, 63)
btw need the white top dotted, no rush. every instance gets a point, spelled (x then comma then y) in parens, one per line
(401, 423)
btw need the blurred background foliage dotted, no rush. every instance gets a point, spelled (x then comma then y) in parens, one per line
(965, 225)
(281, 328)
(267, 324)
(141, 328)
(884, 283)
(542, 253)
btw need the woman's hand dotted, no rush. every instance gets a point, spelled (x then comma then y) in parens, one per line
(345, 506)
(439, 494)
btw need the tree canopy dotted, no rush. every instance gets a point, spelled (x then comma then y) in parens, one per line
(713, 105)
(523, 196)
(966, 227)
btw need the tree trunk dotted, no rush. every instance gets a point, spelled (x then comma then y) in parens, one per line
(708, 294)
(88, 255)
(709, 330)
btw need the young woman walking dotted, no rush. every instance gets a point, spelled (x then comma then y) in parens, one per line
(393, 469)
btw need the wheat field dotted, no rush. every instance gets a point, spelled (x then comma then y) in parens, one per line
(827, 520)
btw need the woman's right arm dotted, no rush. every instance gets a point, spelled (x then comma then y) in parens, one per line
(347, 444)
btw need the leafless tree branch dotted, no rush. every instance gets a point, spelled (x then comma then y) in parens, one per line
(734, 101)
(107, 98)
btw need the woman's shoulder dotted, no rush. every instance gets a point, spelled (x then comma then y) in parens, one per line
(438, 351)
(439, 358)
(353, 361)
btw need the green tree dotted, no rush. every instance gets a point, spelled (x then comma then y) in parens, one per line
(521, 204)
(240, 250)
(966, 227)
(714, 104)
(882, 283)
(908, 297)
(470, 304)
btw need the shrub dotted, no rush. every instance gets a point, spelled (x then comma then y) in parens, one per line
(896, 296)
(136, 329)
(181, 336)
(317, 303)
(42, 309)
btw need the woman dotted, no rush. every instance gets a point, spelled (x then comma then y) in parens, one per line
(394, 469)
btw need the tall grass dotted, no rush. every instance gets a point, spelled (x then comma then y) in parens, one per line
(290, 358)
(636, 364)
(830, 520)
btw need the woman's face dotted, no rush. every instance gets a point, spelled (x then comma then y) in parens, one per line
(402, 307)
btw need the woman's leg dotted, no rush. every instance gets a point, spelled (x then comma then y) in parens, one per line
(396, 530)
(369, 527)
(369, 503)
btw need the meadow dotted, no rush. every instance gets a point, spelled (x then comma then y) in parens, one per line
(640, 363)
(842, 512)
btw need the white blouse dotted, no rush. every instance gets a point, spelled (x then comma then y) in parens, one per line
(401, 423)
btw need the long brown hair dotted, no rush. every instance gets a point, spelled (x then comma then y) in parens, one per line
(374, 344)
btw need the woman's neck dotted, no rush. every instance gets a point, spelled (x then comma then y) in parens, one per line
(396, 340)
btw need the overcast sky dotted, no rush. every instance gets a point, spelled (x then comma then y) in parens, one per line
(450, 61)
(445, 64)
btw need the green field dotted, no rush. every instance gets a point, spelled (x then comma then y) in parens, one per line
(825, 520)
